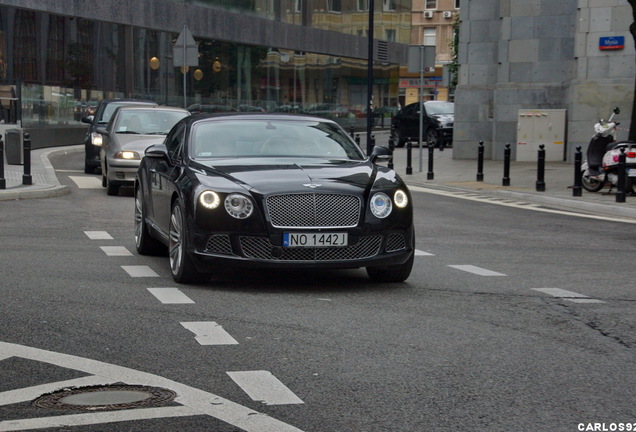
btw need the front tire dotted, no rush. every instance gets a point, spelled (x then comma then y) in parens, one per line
(181, 266)
(397, 138)
(591, 184)
(392, 273)
(144, 242)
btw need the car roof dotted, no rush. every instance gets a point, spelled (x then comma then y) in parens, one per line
(254, 116)
(150, 107)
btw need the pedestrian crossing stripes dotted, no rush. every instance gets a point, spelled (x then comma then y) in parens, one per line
(209, 333)
(115, 251)
(98, 235)
(264, 387)
(85, 182)
(140, 271)
(170, 296)
(476, 270)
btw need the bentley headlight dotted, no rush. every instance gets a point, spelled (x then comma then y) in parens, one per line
(381, 205)
(97, 139)
(209, 199)
(127, 155)
(238, 206)
(400, 199)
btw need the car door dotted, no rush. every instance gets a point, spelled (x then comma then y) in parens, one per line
(163, 174)
(411, 121)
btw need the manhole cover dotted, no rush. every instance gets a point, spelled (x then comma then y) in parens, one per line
(103, 398)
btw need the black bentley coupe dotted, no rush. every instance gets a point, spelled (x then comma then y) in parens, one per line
(271, 190)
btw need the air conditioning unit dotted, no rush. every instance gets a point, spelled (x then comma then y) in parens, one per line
(447, 14)
(428, 14)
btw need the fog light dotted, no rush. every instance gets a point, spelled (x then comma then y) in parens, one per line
(120, 175)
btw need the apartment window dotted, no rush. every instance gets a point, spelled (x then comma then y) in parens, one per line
(334, 5)
(390, 35)
(431, 4)
(430, 36)
(298, 5)
(456, 4)
(363, 5)
(388, 5)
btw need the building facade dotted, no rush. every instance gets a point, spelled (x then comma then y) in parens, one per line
(571, 55)
(277, 55)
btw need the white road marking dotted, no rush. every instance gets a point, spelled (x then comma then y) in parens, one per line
(422, 253)
(264, 387)
(567, 295)
(85, 182)
(194, 401)
(115, 251)
(170, 296)
(477, 270)
(140, 271)
(98, 235)
(516, 204)
(209, 333)
(29, 393)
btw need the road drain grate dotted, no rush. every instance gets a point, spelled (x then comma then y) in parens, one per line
(105, 398)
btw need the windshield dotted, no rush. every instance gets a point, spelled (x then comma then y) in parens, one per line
(271, 137)
(150, 121)
(440, 108)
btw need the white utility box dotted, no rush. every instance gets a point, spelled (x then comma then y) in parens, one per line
(541, 126)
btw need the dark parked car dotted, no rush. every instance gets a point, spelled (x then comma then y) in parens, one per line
(271, 190)
(93, 140)
(438, 120)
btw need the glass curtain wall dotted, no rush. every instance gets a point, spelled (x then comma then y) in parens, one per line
(61, 67)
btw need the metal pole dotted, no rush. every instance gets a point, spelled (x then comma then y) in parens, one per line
(185, 103)
(421, 106)
(620, 187)
(409, 157)
(26, 178)
(480, 161)
(392, 148)
(506, 178)
(3, 181)
(540, 184)
(370, 79)
(578, 174)
(430, 175)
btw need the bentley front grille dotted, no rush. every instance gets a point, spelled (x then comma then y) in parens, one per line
(313, 210)
(219, 244)
(261, 248)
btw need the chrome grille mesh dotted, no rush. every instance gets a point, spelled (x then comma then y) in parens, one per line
(313, 210)
(219, 244)
(261, 248)
(395, 243)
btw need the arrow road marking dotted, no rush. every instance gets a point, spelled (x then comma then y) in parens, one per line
(193, 401)
(265, 387)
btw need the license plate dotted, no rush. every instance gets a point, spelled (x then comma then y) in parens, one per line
(315, 239)
(631, 172)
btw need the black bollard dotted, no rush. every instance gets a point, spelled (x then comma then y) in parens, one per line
(578, 174)
(506, 178)
(3, 181)
(620, 188)
(357, 139)
(430, 175)
(351, 131)
(540, 184)
(409, 157)
(480, 161)
(26, 177)
(392, 148)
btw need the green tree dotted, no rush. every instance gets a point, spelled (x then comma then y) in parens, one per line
(453, 66)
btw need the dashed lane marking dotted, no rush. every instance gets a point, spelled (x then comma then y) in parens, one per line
(170, 296)
(140, 271)
(264, 387)
(98, 235)
(87, 182)
(115, 251)
(422, 253)
(193, 401)
(209, 333)
(476, 270)
(567, 295)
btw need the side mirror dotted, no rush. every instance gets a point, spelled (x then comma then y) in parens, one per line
(617, 110)
(88, 119)
(157, 151)
(102, 131)
(380, 154)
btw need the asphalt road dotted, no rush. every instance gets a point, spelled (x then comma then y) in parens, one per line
(512, 319)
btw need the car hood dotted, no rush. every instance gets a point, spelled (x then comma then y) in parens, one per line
(138, 143)
(268, 176)
(444, 118)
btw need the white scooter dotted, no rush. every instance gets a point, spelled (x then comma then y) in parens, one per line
(601, 166)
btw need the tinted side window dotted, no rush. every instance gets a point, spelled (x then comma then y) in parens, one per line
(174, 141)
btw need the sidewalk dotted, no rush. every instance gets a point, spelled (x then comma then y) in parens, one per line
(448, 174)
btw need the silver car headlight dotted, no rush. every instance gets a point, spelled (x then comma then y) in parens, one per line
(129, 155)
(381, 205)
(97, 139)
(238, 206)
